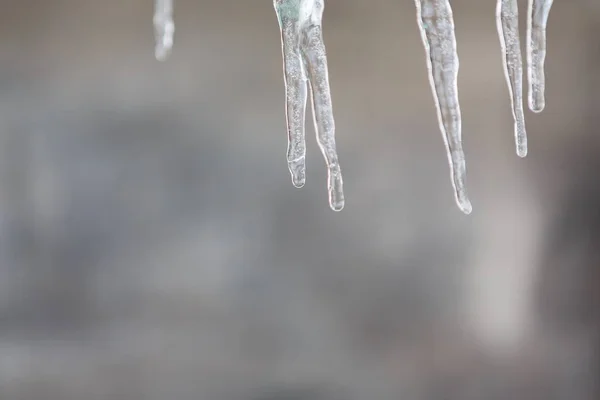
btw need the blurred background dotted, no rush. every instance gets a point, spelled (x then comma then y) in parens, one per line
(152, 245)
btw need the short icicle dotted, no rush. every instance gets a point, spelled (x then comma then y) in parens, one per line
(436, 24)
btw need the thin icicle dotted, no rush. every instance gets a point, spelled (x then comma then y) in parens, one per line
(537, 19)
(507, 21)
(304, 56)
(164, 28)
(436, 24)
(296, 95)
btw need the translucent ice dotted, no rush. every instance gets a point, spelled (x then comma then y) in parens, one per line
(507, 21)
(164, 28)
(537, 19)
(304, 58)
(436, 24)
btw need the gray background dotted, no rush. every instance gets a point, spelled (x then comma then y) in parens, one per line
(153, 247)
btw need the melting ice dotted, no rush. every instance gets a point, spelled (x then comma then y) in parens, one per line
(164, 28)
(305, 64)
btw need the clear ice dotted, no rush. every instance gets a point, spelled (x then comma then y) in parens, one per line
(507, 21)
(164, 28)
(537, 19)
(305, 62)
(436, 24)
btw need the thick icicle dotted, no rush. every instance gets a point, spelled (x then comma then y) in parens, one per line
(436, 24)
(304, 56)
(507, 21)
(537, 19)
(164, 28)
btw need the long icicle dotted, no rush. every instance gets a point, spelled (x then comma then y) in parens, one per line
(436, 24)
(507, 21)
(304, 56)
(295, 96)
(537, 19)
(164, 28)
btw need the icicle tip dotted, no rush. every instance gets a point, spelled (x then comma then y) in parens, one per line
(336, 189)
(465, 206)
(161, 53)
(536, 104)
(298, 172)
(337, 206)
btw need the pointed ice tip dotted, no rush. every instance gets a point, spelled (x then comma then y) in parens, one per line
(465, 206)
(522, 152)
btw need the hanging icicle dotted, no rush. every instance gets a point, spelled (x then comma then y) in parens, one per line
(164, 28)
(537, 19)
(304, 59)
(507, 21)
(436, 24)
(305, 71)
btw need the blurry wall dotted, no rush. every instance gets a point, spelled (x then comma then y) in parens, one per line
(152, 245)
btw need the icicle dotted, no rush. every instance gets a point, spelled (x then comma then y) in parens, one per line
(537, 19)
(507, 21)
(436, 24)
(164, 28)
(296, 95)
(304, 56)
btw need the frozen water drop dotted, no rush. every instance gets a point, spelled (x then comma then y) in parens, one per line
(164, 28)
(436, 24)
(507, 21)
(305, 58)
(537, 19)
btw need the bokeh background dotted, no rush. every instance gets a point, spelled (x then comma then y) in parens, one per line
(152, 245)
